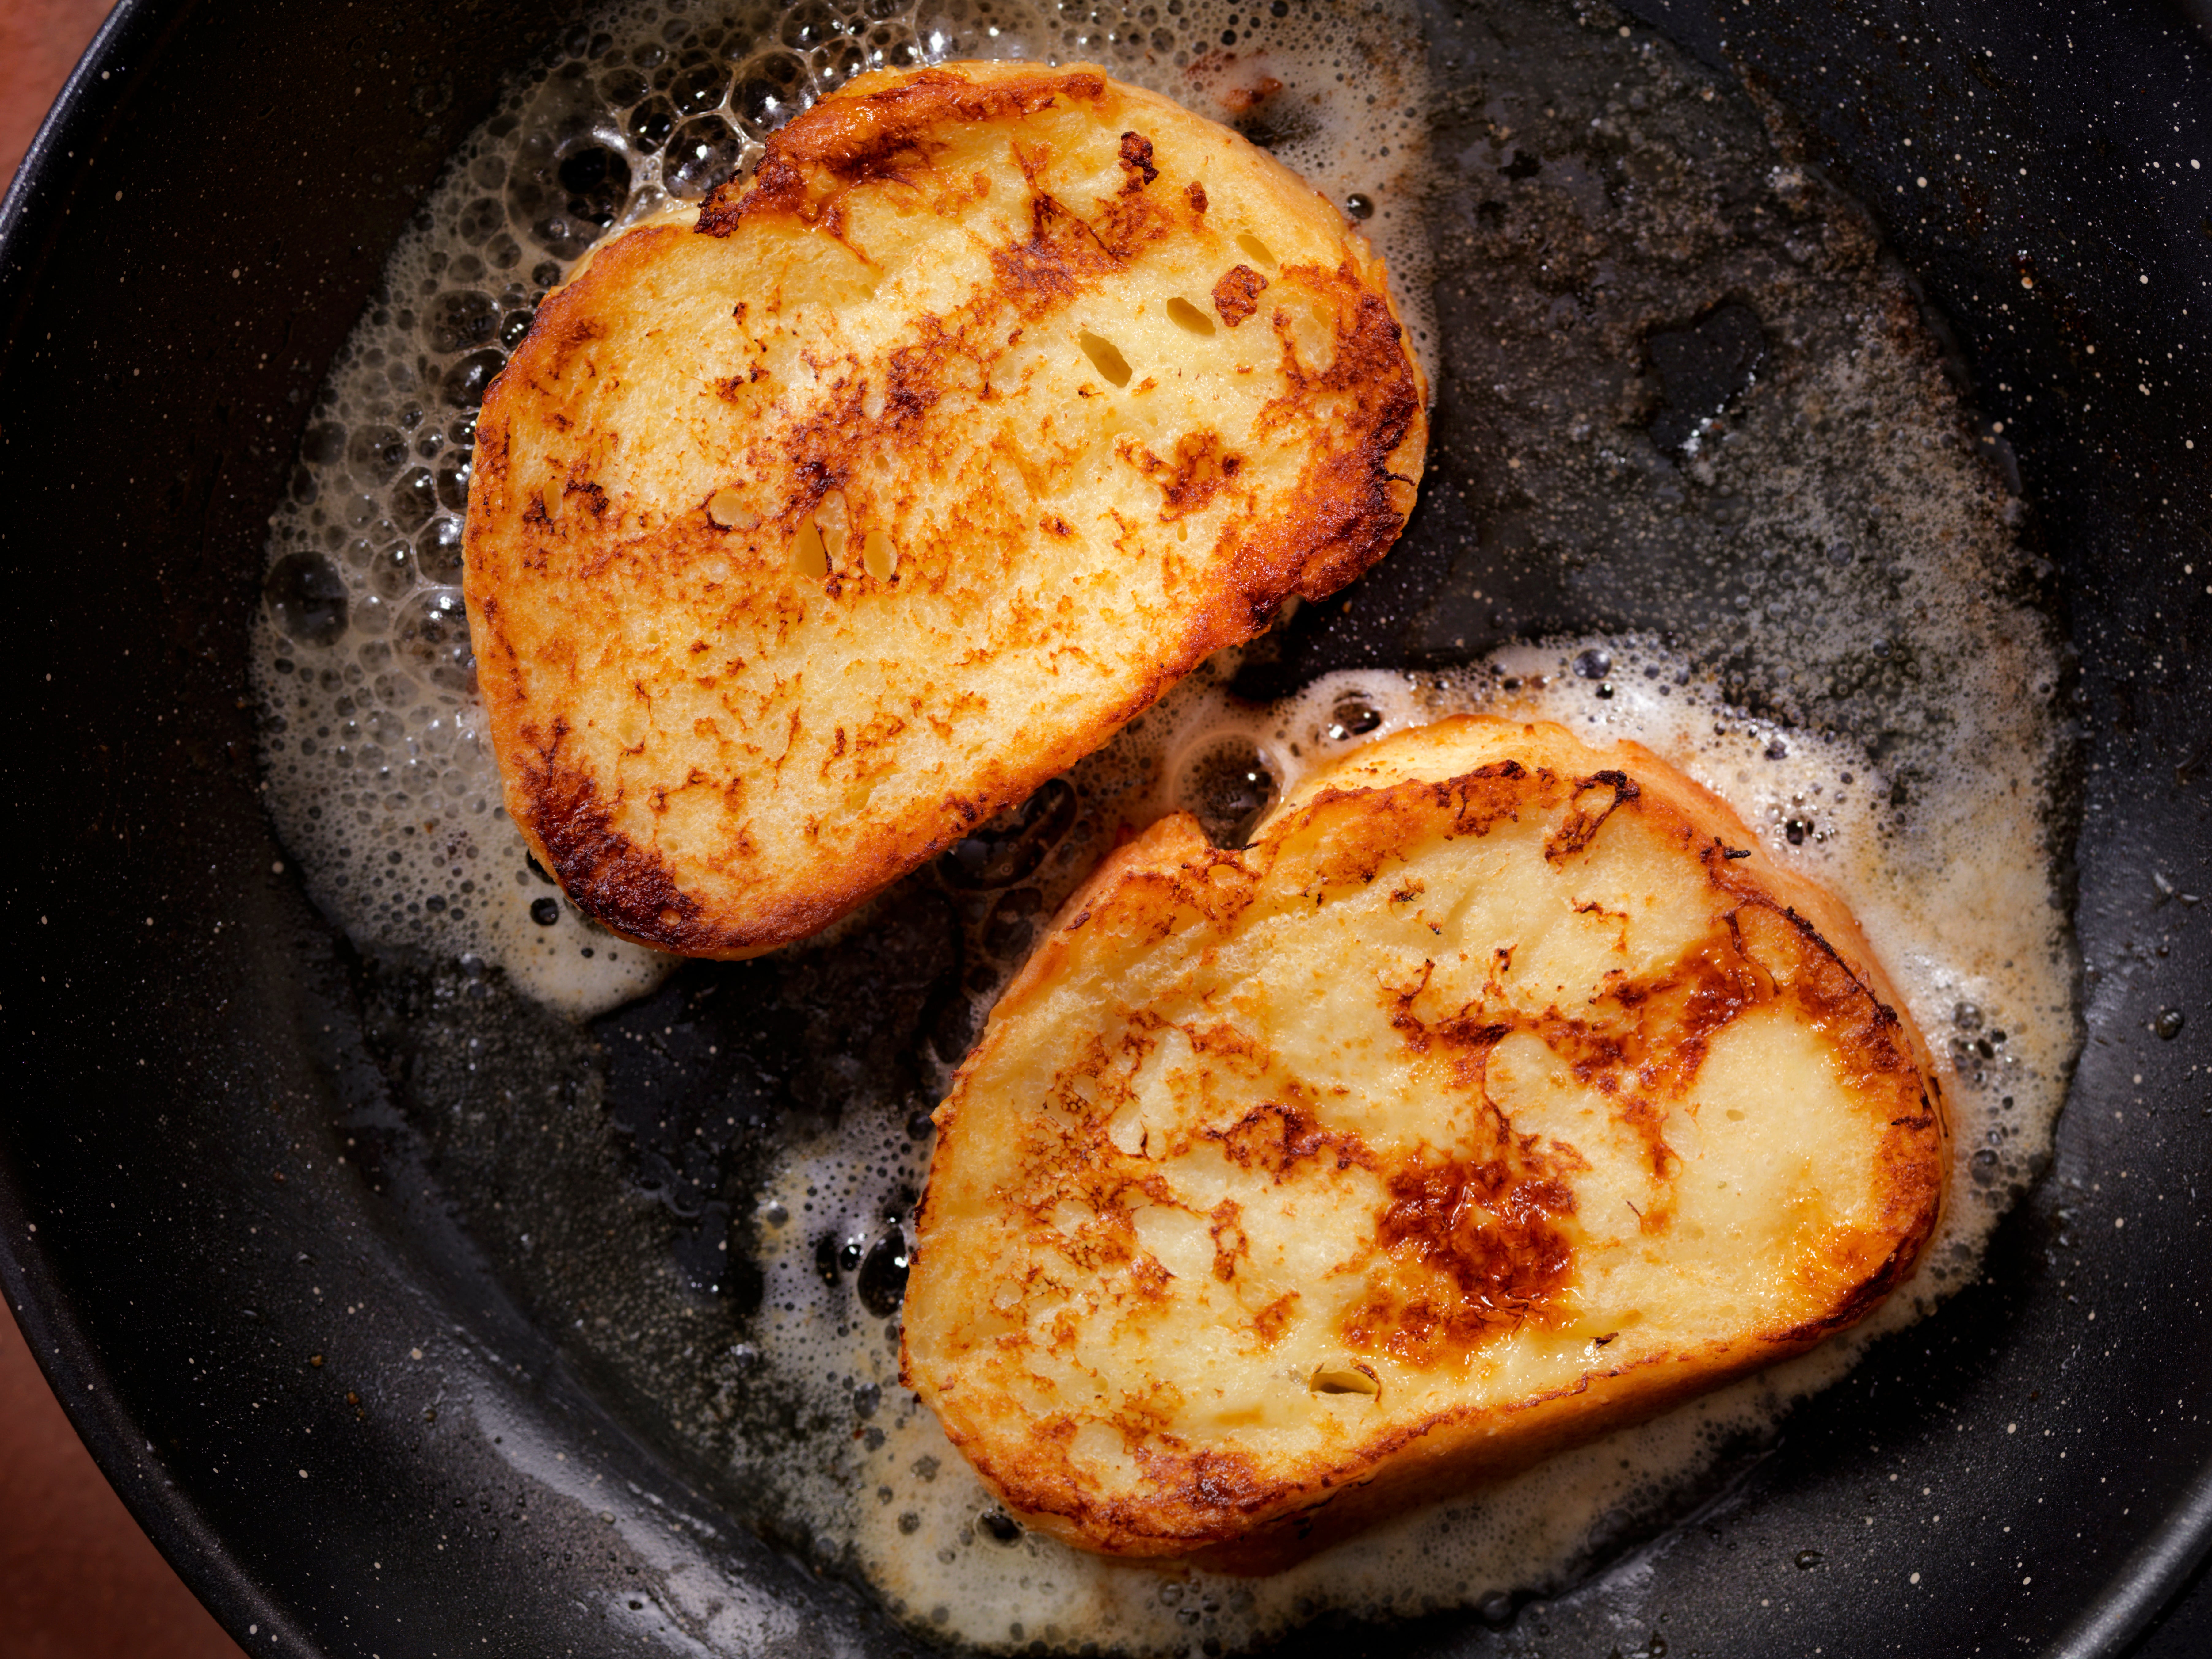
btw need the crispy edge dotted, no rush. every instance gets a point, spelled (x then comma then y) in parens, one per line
(1217, 1508)
(565, 826)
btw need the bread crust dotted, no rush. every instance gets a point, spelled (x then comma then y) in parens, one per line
(1125, 1400)
(805, 539)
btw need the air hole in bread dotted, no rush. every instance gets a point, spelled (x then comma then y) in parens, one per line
(809, 557)
(880, 555)
(1188, 316)
(726, 508)
(1253, 245)
(1105, 357)
(1345, 1379)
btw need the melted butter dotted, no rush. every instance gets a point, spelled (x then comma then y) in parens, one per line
(381, 782)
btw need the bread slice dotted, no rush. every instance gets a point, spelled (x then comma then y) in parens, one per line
(805, 536)
(1503, 1091)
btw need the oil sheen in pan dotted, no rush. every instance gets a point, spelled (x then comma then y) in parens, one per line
(1691, 399)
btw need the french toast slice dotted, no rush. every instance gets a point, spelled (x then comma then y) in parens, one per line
(804, 537)
(1502, 1092)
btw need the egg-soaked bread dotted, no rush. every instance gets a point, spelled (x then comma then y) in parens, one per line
(1504, 1090)
(804, 538)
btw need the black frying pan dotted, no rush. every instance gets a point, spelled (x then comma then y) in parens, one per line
(249, 1274)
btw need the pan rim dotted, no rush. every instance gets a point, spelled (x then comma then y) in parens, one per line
(2136, 1594)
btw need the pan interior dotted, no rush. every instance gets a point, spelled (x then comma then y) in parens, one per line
(1699, 477)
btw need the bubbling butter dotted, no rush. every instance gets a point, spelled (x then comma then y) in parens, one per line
(381, 780)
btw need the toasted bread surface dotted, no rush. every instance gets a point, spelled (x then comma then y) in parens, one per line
(1502, 1092)
(804, 538)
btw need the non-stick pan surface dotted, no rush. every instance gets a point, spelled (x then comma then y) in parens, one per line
(299, 1369)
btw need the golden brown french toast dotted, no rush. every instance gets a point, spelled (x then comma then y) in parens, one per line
(1502, 1092)
(804, 538)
